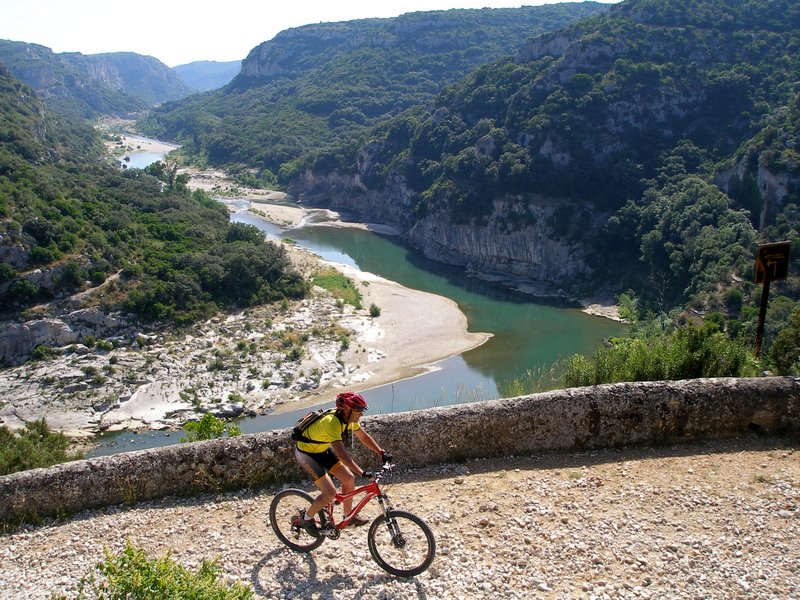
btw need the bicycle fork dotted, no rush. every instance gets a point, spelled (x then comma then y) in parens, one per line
(398, 541)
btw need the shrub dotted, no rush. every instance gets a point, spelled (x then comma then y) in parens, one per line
(43, 352)
(209, 428)
(785, 350)
(374, 310)
(72, 275)
(34, 446)
(23, 291)
(686, 353)
(42, 255)
(339, 286)
(7, 272)
(131, 574)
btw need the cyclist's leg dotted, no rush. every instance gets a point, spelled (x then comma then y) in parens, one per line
(348, 481)
(328, 489)
(321, 479)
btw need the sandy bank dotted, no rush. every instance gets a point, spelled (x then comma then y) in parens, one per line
(129, 144)
(414, 330)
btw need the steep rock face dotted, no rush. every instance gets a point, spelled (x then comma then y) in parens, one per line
(515, 244)
(460, 39)
(140, 76)
(528, 257)
(113, 83)
(19, 339)
(290, 50)
(775, 189)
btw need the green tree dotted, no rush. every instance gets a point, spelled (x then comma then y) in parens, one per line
(32, 447)
(784, 352)
(209, 428)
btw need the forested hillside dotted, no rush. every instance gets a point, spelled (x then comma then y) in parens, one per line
(321, 85)
(117, 84)
(70, 221)
(640, 151)
(647, 149)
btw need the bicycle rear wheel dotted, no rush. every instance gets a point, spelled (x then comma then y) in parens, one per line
(283, 512)
(402, 543)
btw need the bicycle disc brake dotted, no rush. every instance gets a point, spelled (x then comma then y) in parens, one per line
(398, 541)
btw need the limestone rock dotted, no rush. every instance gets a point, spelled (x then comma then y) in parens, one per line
(19, 339)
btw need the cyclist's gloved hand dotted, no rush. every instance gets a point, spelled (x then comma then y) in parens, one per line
(386, 457)
(367, 474)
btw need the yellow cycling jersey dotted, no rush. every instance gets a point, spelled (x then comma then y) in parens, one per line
(325, 430)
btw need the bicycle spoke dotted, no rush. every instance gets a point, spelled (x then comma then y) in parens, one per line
(402, 545)
(283, 513)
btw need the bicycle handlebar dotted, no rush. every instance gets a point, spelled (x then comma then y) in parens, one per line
(386, 469)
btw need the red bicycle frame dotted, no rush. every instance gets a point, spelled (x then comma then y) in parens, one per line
(370, 491)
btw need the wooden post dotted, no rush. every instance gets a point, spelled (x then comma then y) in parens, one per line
(772, 262)
(762, 316)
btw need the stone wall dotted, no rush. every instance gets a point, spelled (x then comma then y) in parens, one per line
(646, 413)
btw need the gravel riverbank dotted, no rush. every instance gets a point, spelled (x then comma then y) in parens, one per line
(701, 520)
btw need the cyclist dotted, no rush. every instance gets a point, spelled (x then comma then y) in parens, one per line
(326, 455)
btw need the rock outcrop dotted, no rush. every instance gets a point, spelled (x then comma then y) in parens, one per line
(18, 340)
(517, 243)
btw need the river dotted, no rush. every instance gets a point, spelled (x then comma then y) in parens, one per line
(529, 335)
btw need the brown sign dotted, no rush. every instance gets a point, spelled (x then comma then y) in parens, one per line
(772, 262)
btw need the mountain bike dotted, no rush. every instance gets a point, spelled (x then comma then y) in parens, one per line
(399, 541)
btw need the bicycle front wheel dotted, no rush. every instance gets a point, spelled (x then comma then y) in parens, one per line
(401, 543)
(283, 513)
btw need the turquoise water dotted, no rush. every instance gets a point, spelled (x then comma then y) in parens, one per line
(529, 335)
(139, 160)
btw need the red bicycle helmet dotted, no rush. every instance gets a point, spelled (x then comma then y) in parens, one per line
(352, 401)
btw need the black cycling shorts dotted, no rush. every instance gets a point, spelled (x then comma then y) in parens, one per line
(316, 464)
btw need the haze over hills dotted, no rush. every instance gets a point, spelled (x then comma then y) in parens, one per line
(120, 84)
(206, 75)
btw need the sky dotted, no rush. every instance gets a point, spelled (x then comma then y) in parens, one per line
(177, 32)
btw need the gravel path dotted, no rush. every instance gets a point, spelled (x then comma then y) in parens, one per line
(703, 520)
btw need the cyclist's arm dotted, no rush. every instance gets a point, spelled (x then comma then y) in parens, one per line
(344, 456)
(368, 440)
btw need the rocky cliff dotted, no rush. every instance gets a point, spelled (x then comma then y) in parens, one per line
(440, 45)
(117, 84)
(532, 247)
(512, 170)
